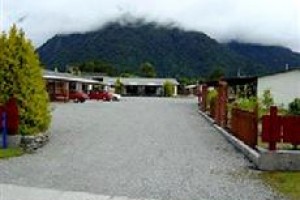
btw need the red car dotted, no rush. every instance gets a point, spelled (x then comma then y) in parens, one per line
(100, 95)
(77, 96)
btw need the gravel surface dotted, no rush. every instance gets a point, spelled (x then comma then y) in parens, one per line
(152, 148)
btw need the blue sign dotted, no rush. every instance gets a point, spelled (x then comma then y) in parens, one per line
(4, 130)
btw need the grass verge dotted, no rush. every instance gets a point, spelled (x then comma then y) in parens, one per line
(285, 182)
(8, 153)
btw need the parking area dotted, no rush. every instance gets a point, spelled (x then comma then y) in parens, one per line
(140, 148)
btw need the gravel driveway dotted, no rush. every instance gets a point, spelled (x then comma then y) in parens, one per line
(140, 148)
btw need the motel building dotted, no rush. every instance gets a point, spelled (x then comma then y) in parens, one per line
(59, 85)
(284, 86)
(141, 86)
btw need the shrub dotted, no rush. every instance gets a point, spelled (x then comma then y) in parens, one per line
(168, 89)
(211, 96)
(294, 107)
(267, 100)
(21, 77)
(119, 86)
(247, 104)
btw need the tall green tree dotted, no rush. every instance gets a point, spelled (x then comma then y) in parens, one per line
(147, 70)
(21, 77)
(97, 66)
(3, 65)
(216, 74)
(119, 87)
(168, 89)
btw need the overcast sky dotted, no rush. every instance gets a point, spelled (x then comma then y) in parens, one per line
(275, 22)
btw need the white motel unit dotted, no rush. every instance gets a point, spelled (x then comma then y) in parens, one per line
(284, 86)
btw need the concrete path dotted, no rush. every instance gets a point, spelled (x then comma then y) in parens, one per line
(12, 192)
(140, 148)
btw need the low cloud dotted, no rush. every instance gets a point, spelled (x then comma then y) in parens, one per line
(273, 22)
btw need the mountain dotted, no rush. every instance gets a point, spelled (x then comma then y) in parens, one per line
(171, 50)
(275, 58)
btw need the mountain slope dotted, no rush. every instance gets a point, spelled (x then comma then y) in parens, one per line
(273, 57)
(173, 52)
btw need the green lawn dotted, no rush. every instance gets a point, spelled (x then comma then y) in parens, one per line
(8, 153)
(287, 183)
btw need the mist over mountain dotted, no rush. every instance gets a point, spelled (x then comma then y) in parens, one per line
(172, 51)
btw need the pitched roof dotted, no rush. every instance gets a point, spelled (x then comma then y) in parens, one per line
(281, 72)
(140, 81)
(233, 81)
(47, 74)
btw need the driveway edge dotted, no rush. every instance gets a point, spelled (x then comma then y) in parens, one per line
(279, 160)
(252, 155)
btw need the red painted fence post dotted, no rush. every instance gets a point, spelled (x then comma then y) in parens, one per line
(217, 107)
(273, 128)
(255, 124)
(204, 96)
(199, 94)
(222, 103)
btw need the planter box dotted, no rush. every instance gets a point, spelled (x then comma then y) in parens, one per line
(31, 143)
(14, 141)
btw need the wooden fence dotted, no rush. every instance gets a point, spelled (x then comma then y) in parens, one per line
(243, 125)
(280, 129)
(217, 107)
(202, 96)
(212, 108)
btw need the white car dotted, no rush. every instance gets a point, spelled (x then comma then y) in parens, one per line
(115, 97)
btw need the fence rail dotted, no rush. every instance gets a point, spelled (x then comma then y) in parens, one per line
(212, 108)
(276, 128)
(244, 126)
